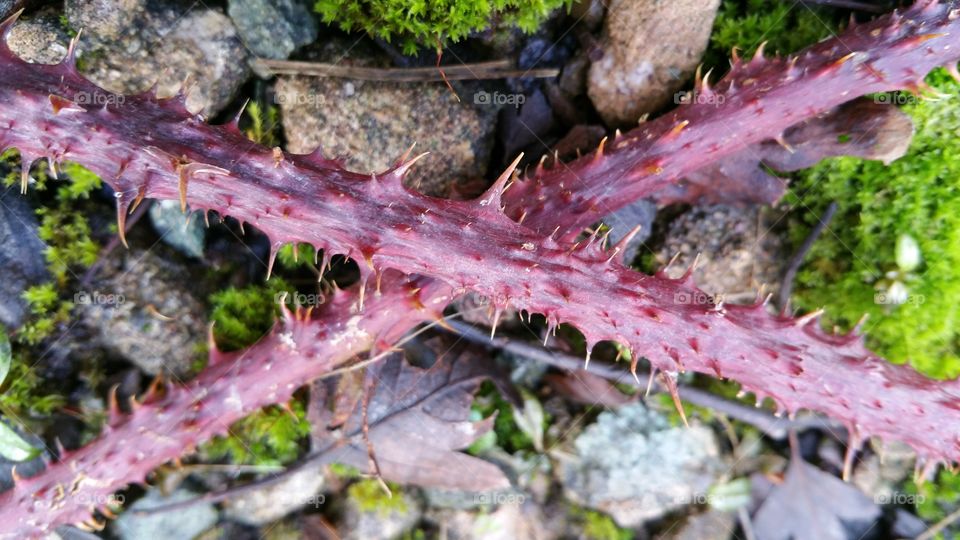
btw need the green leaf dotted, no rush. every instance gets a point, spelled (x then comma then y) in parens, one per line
(13, 447)
(5, 355)
(531, 419)
(730, 496)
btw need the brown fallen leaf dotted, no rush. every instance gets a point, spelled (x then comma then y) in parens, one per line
(418, 419)
(861, 128)
(587, 388)
(812, 505)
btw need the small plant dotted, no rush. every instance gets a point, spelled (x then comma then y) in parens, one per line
(430, 22)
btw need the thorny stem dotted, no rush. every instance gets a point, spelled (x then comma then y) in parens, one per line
(769, 424)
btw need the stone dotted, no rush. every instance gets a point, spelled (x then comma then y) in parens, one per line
(880, 474)
(21, 256)
(622, 221)
(107, 19)
(275, 500)
(740, 253)
(146, 44)
(9, 7)
(143, 308)
(507, 522)
(40, 39)
(709, 525)
(633, 465)
(650, 49)
(468, 500)
(573, 78)
(371, 123)
(273, 28)
(380, 523)
(184, 232)
(187, 522)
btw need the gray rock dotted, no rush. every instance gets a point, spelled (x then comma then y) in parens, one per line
(128, 52)
(273, 28)
(8, 7)
(739, 251)
(880, 474)
(380, 524)
(374, 123)
(634, 466)
(21, 256)
(622, 221)
(185, 232)
(709, 525)
(573, 78)
(274, 501)
(506, 522)
(650, 49)
(466, 500)
(40, 40)
(185, 523)
(107, 19)
(141, 310)
(906, 525)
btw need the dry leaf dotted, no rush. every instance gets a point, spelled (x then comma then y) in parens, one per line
(813, 505)
(418, 419)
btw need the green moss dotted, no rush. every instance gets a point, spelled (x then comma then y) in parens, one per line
(370, 497)
(66, 233)
(271, 436)
(853, 268)
(426, 23)
(786, 28)
(936, 500)
(21, 395)
(598, 526)
(302, 258)
(241, 316)
(415, 534)
(344, 471)
(262, 123)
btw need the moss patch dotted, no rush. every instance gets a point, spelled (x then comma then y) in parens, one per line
(415, 23)
(852, 268)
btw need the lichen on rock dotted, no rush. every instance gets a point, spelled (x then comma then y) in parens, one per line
(635, 466)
